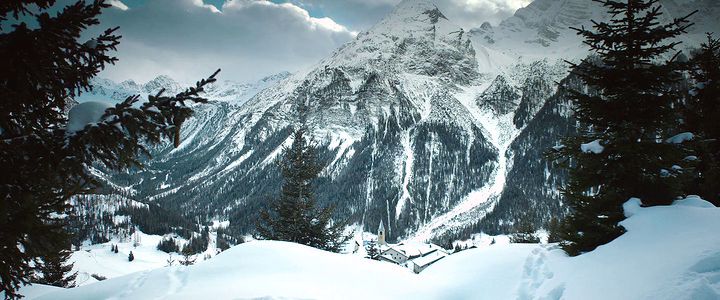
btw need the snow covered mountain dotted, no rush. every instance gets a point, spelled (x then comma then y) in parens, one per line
(435, 130)
(232, 92)
(542, 30)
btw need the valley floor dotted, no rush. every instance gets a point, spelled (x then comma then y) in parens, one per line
(669, 252)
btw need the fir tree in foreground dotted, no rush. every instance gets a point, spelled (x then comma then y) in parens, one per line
(295, 216)
(625, 116)
(702, 119)
(55, 270)
(45, 161)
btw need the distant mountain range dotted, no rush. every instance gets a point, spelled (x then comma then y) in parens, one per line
(235, 93)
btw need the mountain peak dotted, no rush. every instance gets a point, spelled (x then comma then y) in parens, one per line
(417, 7)
(415, 38)
(162, 82)
(412, 16)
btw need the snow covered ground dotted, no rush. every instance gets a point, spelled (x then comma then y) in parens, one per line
(99, 260)
(669, 252)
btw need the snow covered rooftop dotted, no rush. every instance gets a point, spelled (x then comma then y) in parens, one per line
(415, 249)
(429, 258)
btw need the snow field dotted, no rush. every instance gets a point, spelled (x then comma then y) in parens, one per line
(669, 252)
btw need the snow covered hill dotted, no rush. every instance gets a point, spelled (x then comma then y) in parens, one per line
(668, 252)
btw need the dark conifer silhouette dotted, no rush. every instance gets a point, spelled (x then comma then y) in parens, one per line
(295, 216)
(55, 270)
(624, 119)
(700, 116)
(168, 245)
(188, 258)
(43, 70)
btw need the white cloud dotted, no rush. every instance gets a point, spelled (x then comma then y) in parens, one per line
(210, 7)
(324, 23)
(118, 4)
(188, 39)
(361, 14)
(472, 13)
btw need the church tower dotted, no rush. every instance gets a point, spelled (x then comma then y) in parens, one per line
(381, 234)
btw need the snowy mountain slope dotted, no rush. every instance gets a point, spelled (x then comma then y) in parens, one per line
(383, 109)
(437, 131)
(527, 89)
(531, 191)
(668, 252)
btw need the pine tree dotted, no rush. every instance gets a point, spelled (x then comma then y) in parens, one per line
(372, 250)
(168, 245)
(188, 258)
(295, 216)
(554, 231)
(701, 115)
(221, 244)
(55, 270)
(43, 70)
(457, 248)
(624, 118)
(197, 244)
(448, 245)
(524, 232)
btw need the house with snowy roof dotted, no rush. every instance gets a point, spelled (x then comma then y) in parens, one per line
(413, 255)
(416, 256)
(422, 262)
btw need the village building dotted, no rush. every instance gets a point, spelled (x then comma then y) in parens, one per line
(420, 263)
(413, 255)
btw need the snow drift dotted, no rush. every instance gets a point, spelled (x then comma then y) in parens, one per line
(669, 252)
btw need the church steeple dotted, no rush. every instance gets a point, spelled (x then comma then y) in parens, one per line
(381, 234)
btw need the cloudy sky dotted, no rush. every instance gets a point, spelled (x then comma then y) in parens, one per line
(250, 39)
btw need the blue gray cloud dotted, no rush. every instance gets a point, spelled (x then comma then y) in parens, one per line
(249, 39)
